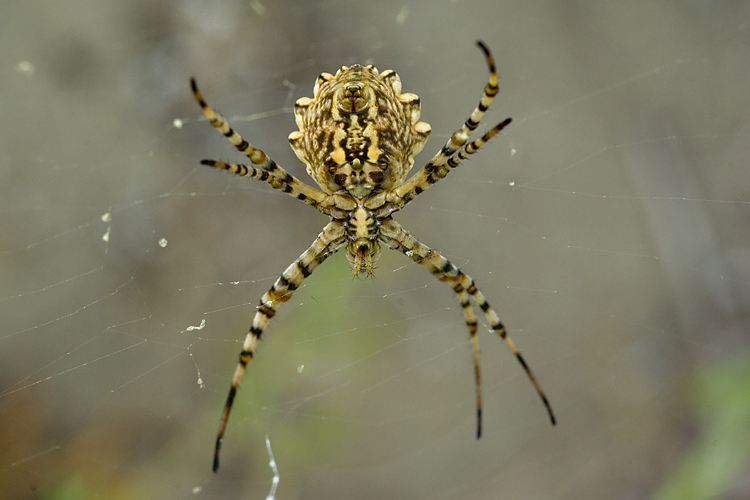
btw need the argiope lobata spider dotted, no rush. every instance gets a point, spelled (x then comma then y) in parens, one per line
(358, 136)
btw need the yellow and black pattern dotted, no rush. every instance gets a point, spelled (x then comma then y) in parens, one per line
(358, 132)
(267, 171)
(438, 172)
(424, 179)
(397, 238)
(283, 182)
(358, 136)
(328, 242)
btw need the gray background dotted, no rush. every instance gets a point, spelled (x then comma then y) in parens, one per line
(608, 226)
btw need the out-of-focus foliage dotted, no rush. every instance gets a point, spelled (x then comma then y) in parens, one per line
(722, 398)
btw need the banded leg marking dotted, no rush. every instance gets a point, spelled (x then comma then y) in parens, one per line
(286, 183)
(396, 237)
(328, 242)
(277, 175)
(440, 172)
(256, 156)
(418, 183)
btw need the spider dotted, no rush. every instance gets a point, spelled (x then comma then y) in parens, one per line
(358, 136)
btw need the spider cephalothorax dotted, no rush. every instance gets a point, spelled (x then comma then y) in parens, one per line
(358, 136)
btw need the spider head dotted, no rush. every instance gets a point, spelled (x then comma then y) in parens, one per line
(363, 254)
(359, 133)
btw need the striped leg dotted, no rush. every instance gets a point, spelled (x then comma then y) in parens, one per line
(286, 183)
(275, 175)
(399, 201)
(327, 242)
(396, 237)
(418, 182)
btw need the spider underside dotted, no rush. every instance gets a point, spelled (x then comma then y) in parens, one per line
(358, 136)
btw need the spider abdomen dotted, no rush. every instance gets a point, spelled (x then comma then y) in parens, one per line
(358, 133)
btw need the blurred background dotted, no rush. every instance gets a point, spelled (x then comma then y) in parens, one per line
(608, 225)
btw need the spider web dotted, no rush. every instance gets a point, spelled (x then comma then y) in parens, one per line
(607, 226)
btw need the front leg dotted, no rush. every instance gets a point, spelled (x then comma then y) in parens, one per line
(263, 168)
(422, 180)
(395, 236)
(256, 156)
(282, 181)
(457, 148)
(328, 242)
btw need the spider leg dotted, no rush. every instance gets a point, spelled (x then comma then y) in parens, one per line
(284, 182)
(274, 174)
(396, 237)
(399, 198)
(424, 178)
(328, 242)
